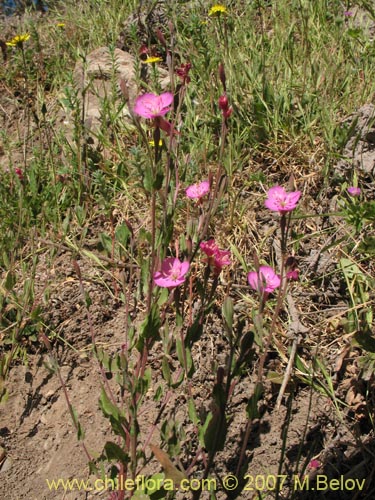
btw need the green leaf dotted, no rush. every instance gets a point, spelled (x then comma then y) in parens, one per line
(179, 381)
(143, 383)
(123, 234)
(158, 182)
(80, 432)
(194, 332)
(228, 312)
(150, 327)
(4, 394)
(180, 351)
(365, 340)
(192, 412)
(106, 242)
(166, 370)
(114, 452)
(367, 246)
(216, 432)
(147, 180)
(10, 281)
(108, 408)
(252, 404)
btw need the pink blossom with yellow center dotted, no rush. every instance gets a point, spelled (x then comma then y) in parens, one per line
(278, 200)
(152, 105)
(172, 273)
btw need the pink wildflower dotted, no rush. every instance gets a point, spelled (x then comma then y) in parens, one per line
(280, 201)
(354, 191)
(220, 259)
(198, 190)
(265, 280)
(348, 13)
(152, 106)
(314, 464)
(183, 73)
(216, 258)
(209, 247)
(293, 274)
(292, 271)
(172, 273)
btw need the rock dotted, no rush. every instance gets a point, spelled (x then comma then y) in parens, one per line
(359, 151)
(93, 79)
(98, 79)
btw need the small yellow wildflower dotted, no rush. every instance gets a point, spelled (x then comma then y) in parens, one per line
(217, 10)
(60, 25)
(18, 40)
(151, 60)
(152, 143)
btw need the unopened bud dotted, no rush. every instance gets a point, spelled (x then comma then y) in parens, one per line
(223, 102)
(227, 112)
(161, 37)
(222, 76)
(19, 173)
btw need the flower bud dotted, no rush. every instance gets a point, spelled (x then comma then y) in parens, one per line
(227, 112)
(222, 76)
(223, 102)
(19, 173)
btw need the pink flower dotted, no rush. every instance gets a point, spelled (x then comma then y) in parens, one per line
(220, 259)
(183, 73)
(198, 190)
(209, 247)
(348, 13)
(354, 191)
(293, 274)
(265, 280)
(216, 258)
(172, 273)
(314, 464)
(152, 106)
(280, 201)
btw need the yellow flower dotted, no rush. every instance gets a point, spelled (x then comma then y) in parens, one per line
(60, 25)
(151, 60)
(18, 40)
(217, 10)
(152, 143)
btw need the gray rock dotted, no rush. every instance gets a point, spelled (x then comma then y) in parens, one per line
(359, 151)
(98, 79)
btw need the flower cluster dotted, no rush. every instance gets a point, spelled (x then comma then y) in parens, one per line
(216, 258)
